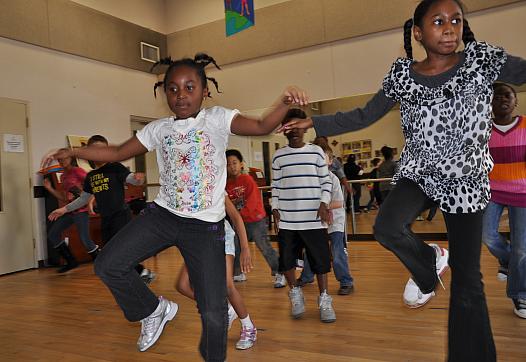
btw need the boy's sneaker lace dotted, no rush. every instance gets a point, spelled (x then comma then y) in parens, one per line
(327, 314)
(413, 296)
(247, 338)
(153, 325)
(502, 273)
(279, 281)
(520, 307)
(297, 302)
(232, 315)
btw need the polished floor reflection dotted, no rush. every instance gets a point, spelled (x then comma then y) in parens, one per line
(51, 317)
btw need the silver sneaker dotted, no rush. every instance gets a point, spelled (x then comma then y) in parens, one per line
(147, 276)
(297, 302)
(279, 281)
(327, 314)
(152, 326)
(240, 278)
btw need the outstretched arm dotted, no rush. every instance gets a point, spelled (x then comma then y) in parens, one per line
(79, 202)
(246, 126)
(343, 122)
(122, 152)
(513, 71)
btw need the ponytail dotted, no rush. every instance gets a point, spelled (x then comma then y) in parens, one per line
(408, 27)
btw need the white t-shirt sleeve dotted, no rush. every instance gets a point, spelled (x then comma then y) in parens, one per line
(149, 135)
(223, 117)
(336, 193)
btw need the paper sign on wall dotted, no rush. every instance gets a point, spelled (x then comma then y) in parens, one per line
(13, 143)
(258, 156)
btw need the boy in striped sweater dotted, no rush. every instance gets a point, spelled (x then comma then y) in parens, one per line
(301, 192)
(507, 146)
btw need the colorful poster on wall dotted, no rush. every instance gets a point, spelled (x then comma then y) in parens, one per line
(239, 15)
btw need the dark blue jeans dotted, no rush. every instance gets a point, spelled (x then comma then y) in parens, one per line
(469, 331)
(81, 220)
(511, 255)
(257, 232)
(202, 246)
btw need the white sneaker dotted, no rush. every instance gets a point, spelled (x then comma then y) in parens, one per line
(297, 302)
(502, 274)
(232, 315)
(147, 276)
(280, 281)
(153, 325)
(519, 307)
(327, 314)
(247, 339)
(240, 278)
(413, 296)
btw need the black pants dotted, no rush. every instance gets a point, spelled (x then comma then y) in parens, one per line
(110, 225)
(202, 245)
(469, 331)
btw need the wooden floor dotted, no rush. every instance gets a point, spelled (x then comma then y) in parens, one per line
(50, 317)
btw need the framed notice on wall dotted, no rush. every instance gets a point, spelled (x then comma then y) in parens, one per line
(362, 151)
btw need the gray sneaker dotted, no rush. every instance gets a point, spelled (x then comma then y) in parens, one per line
(327, 314)
(297, 302)
(147, 276)
(152, 326)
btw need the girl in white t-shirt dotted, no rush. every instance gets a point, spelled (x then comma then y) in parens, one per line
(189, 209)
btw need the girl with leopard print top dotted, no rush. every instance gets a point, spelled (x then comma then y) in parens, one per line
(445, 104)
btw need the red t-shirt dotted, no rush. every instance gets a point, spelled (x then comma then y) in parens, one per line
(244, 193)
(72, 184)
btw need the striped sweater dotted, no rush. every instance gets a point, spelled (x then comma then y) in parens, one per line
(508, 177)
(300, 182)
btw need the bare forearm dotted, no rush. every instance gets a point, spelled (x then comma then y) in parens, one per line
(122, 152)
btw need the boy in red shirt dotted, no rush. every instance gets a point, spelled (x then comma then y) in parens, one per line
(245, 195)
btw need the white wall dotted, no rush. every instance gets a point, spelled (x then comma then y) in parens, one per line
(71, 95)
(167, 16)
(149, 14)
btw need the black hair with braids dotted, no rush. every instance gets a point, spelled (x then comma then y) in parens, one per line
(199, 63)
(420, 11)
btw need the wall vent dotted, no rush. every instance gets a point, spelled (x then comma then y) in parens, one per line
(149, 53)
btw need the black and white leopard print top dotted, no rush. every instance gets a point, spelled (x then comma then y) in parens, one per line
(447, 128)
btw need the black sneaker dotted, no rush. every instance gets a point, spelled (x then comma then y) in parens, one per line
(346, 290)
(502, 274)
(520, 307)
